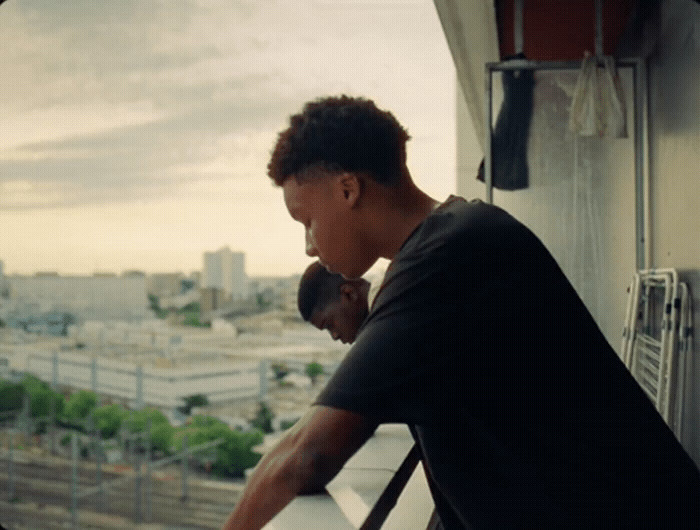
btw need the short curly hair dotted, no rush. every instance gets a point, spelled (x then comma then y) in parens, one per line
(341, 133)
(317, 289)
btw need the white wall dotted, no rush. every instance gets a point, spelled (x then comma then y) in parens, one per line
(580, 198)
(674, 119)
(572, 233)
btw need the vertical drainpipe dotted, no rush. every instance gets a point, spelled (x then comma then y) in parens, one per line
(488, 133)
(599, 29)
(641, 166)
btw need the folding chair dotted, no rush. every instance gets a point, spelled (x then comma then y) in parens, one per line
(655, 339)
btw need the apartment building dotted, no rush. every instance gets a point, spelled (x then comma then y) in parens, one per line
(225, 270)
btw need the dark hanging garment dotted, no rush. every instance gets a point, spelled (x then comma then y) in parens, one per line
(509, 137)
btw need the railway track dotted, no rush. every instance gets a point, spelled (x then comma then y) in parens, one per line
(43, 498)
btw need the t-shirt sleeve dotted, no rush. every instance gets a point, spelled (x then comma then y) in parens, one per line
(408, 351)
(381, 376)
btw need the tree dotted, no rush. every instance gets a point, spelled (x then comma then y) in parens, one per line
(264, 303)
(41, 396)
(43, 400)
(233, 455)
(154, 305)
(161, 431)
(11, 395)
(67, 320)
(313, 370)
(195, 400)
(201, 421)
(236, 454)
(162, 437)
(108, 419)
(137, 420)
(79, 405)
(263, 418)
(280, 370)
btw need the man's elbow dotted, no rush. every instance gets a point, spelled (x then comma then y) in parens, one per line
(315, 471)
(321, 445)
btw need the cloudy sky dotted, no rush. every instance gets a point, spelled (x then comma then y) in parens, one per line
(135, 134)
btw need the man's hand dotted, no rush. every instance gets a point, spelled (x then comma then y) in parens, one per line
(312, 452)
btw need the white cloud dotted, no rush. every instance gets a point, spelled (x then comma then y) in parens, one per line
(142, 130)
(64, 121)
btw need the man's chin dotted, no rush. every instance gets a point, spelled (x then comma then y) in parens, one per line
(333, 271)
(348, 275)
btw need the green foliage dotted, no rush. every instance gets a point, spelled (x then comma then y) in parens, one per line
(199, 429)
(233, 456)
(40, 397)
(190, 314)
(201, 421)
(162, 437)
(192, 307)
(108, 419)
(280, 370)
(193, 321)
(195, 400)
(263, 302)
(79, 405)
(287, 424)
(137, 420)
(313, 370)
(154, 305)
(263, 418)
(10, 396)
(161, 430)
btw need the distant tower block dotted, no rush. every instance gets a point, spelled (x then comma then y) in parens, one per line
(225, 270)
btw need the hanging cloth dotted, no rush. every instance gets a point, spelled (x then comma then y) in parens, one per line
(509, 138)
(598, 104)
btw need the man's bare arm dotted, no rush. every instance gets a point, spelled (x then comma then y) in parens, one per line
(304, 461)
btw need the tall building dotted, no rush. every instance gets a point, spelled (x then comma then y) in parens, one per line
(225, 270)
(4, 284)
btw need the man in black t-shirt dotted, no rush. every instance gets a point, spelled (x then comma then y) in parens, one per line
(331, 302)
(524, 414)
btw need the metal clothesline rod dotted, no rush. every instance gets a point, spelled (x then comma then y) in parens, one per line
(640, 139)
(525, 64)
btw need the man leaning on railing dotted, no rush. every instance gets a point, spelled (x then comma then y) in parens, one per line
(468, 342)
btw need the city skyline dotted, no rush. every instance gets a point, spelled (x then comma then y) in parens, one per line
(136, 136)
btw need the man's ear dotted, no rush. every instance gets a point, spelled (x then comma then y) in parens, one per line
(349, 292)
(350, 187)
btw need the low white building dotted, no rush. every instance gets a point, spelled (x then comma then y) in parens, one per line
(98, 297)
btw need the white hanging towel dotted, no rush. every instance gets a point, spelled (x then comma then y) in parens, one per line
(598, 104)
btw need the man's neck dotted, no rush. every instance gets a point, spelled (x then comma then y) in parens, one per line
(402, 217)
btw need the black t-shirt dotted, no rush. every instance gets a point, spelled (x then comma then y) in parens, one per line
(523, 412)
